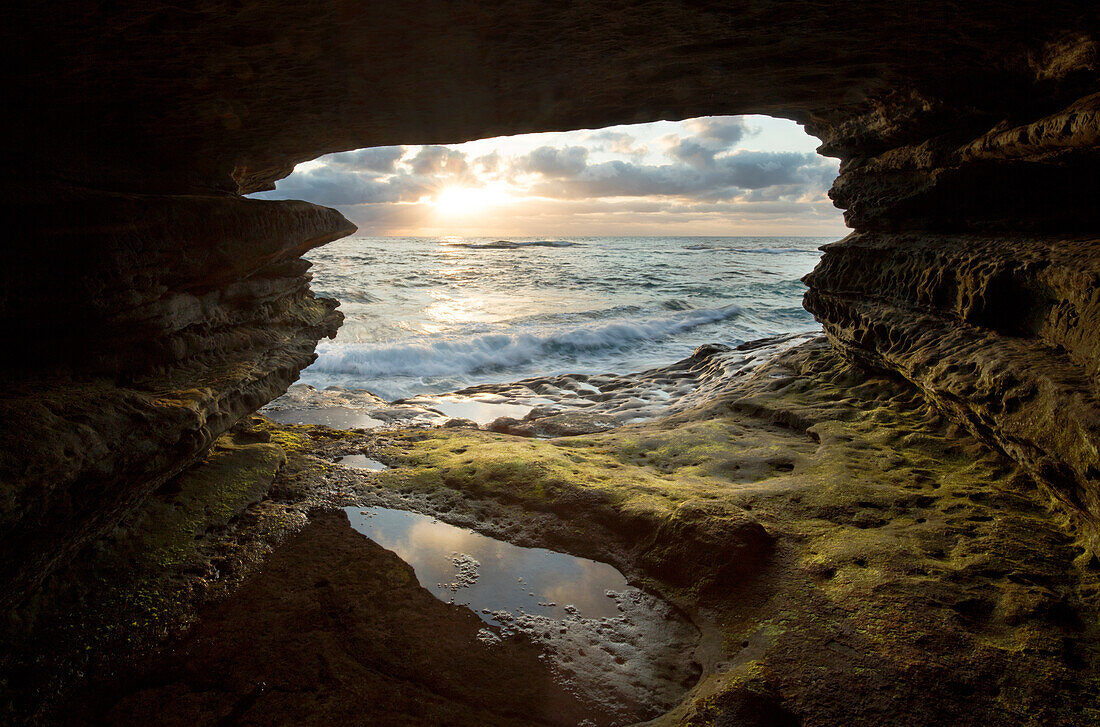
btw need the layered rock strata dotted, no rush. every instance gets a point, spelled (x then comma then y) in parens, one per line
(159, 323)
(1001, 331)
(152, 306)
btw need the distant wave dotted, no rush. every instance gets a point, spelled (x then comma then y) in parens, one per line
(510, 245)
(760, 250)
(497, 351)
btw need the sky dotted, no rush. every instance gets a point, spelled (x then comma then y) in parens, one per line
(727, 175)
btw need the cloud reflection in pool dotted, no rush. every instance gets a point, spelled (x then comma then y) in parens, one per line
(509, 578)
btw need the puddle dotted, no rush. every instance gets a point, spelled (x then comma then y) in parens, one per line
(337, 417)
(479, 410)
(361, 462)
(608, 642)
(508, 577)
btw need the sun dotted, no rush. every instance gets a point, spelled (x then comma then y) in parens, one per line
(460, 201)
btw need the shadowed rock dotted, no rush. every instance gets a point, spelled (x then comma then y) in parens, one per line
(335, 628)
(970, 128)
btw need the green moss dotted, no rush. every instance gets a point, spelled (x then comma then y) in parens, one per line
(535, 473)
(910, 564)
(297, 437)
(137, 592)
(896, 537)
(208, 495)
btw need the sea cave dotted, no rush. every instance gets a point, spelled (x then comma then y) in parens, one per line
(889, 518)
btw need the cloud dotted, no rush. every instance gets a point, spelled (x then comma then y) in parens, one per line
(439, 160)
(696, 174)
(381, 159)
(554, 162)
(336, 186)
(489, 163)
(718, 131)
(722, 178)
(709, 137)
(618, 142)
(692, 153)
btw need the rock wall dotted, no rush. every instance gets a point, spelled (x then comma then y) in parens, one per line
(974, 272)
(148, 305)
(142, 327)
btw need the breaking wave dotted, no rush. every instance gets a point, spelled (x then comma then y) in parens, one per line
(510, 245)
(497, 351)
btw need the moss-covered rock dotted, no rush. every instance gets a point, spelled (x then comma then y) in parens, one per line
(879, 564)
(849, 557)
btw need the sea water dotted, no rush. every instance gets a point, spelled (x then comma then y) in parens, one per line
(431, 315)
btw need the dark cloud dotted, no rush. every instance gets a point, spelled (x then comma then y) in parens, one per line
(381, 159)
(552, 162)
(710, 137)
(722, 178)
(336, 187)
(719, 131)
(439, 160)
(692, 153)
(373, 176)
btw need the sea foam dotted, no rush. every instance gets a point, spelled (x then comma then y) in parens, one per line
(510, 245)
(496, 351)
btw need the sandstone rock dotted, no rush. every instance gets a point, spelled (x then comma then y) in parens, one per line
(460, 423)
(152, 307)
(507, 425)
(564, 424)
(156, 353)
(1002, 334)
(337, 628)
(707, 543)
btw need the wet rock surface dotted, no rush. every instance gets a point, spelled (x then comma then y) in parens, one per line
(893, 568)
(160, 353)
(141, 123)
(852, 557)
(617, 648)
(333, 627)
(1000, 333)
(543, 406)
(908, 574)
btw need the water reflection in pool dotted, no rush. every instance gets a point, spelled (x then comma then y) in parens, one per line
(502, 576)
(338, 417)
(361, 462)
(607, 642)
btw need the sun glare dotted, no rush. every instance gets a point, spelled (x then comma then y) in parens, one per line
(456, 201)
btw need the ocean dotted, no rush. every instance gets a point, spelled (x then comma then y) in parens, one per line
(431, 315)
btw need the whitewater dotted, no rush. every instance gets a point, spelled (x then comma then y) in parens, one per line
(432, 315)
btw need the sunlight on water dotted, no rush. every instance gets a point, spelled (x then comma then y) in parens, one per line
(362, 462)
(432, 315)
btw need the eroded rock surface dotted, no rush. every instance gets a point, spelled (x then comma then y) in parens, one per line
(1000, 332)
(336, 628)
(147, 326)
(149, 306)
(850, 556)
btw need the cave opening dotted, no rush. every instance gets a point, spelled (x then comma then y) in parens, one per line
(580, 253)
(892, 523)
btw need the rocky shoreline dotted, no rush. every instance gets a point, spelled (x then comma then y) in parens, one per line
(899, 527)
(848, 556)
